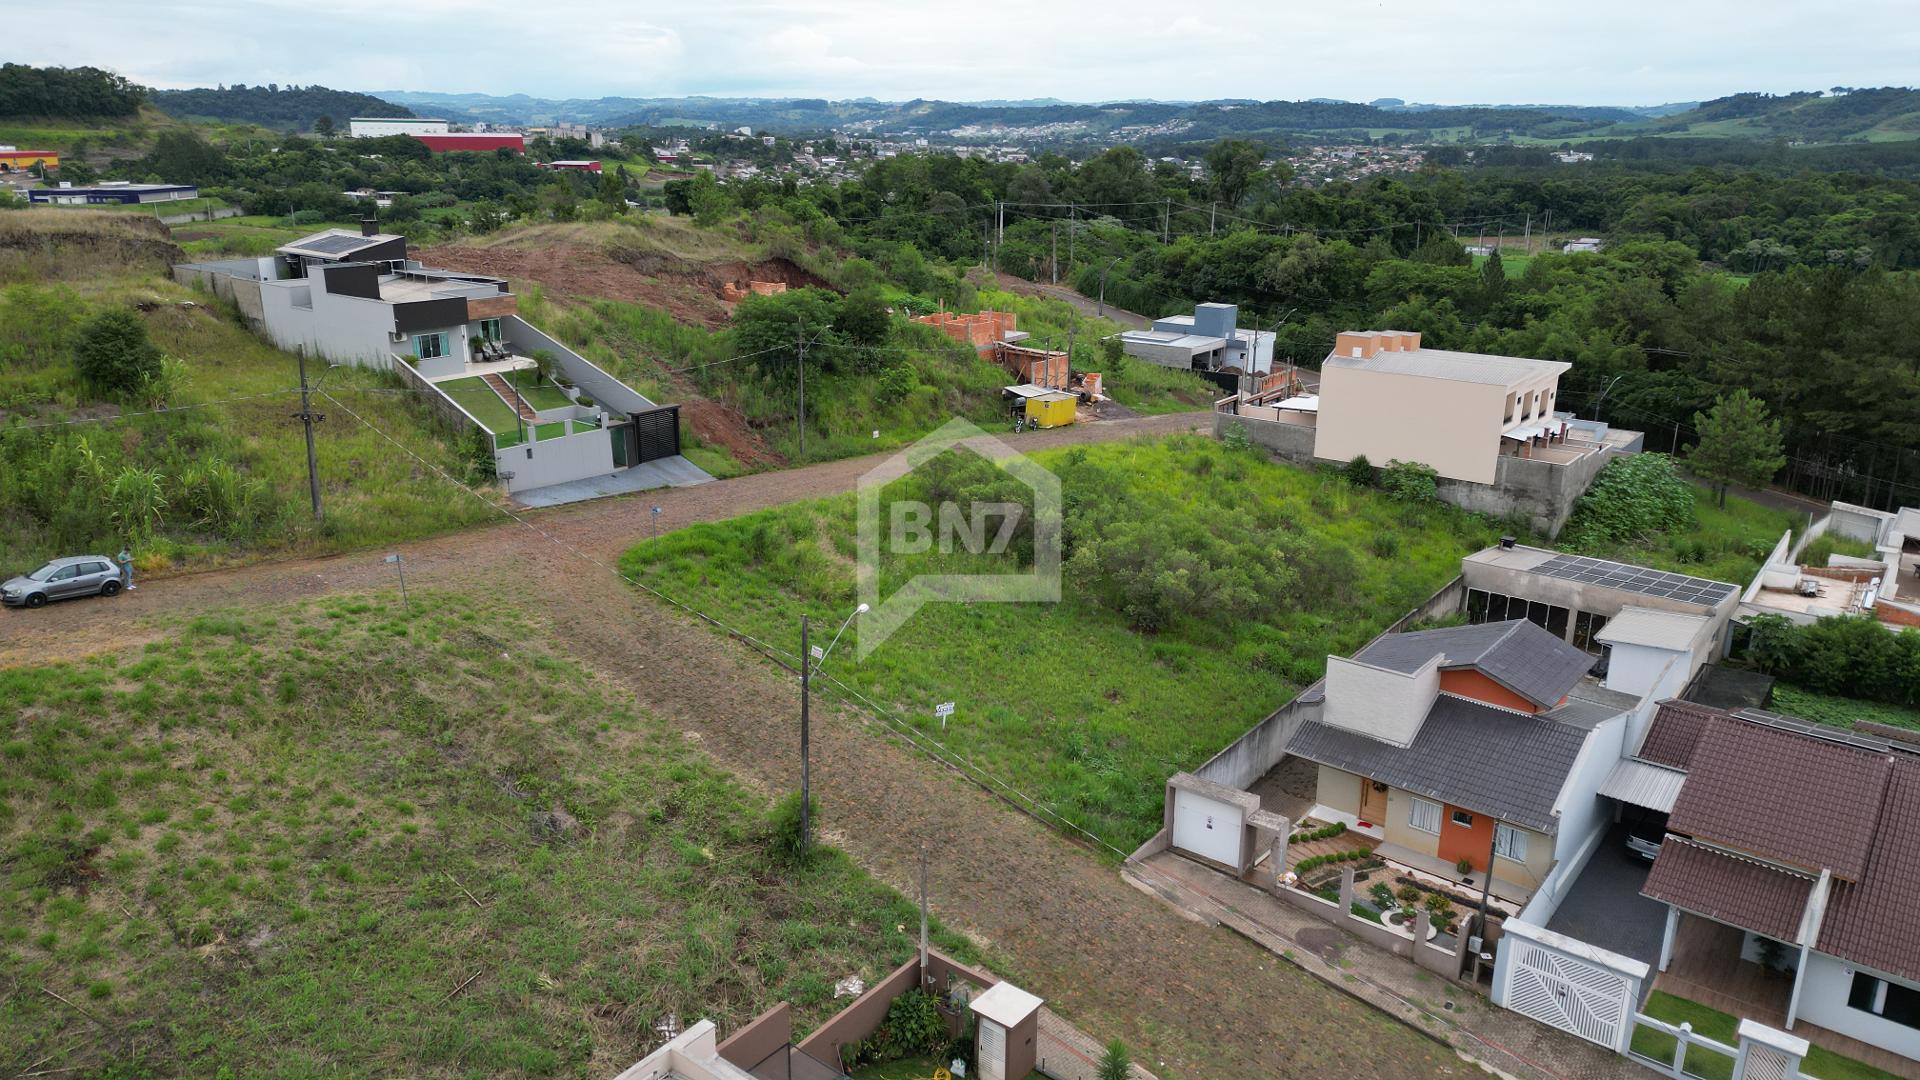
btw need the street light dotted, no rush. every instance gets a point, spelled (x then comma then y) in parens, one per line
(1102, 305)
(806, 726)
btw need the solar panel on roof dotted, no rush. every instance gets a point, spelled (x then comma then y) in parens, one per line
(1638, 579)
(334, 245)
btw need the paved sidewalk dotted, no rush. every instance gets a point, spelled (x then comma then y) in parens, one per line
(1500, 1041)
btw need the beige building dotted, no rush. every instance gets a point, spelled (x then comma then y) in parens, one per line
(1385, 397)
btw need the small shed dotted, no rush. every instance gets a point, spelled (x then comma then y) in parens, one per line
(1043, 407)
(1007, 1034)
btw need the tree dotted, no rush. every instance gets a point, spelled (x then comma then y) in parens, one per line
(1115, 1064)
(613, 188)
(1493, 281)
(863, 318)
(1232, 164)
(1739, 443)
(114, 355)
(323, 127)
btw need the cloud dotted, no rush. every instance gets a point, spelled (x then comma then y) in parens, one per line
(1627, 51)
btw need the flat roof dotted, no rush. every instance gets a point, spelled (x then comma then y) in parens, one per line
(118, 186)
(1453, 366)
(1624, 577)
(1656, 629)
(335, 243)
(1005, 1004)
(1170, 340)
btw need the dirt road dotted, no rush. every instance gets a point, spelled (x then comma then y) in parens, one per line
(1191, 1001)
(1088, 305)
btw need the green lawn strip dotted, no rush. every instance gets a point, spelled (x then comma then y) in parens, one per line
(1841, 711)
(1724, 1028)
(539, 394)
(555, 430)
(1064, 700)
(308, 840)
(483, 403)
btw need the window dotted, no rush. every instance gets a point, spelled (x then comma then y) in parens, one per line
(490, 329)
(1509, 842)
(1887, 1000)
(1463, 819)
(65, 573)
(1424, 815)
(1585, 625)
(429, 346)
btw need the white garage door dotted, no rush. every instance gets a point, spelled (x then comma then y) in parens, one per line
(1206, 827)
(1568, 992)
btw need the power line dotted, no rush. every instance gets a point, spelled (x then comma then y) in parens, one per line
(147, 412)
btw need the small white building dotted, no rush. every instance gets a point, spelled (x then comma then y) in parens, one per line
(1585, 243)
(1210, 339)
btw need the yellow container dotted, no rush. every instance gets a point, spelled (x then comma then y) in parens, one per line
(1053, 411)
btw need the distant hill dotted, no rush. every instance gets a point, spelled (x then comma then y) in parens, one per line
(288, 108)
(1883, 114)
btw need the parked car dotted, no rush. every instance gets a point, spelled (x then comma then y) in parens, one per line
(1644, 840)
(77, 575)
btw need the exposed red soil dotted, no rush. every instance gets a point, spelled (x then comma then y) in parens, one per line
(716, 423)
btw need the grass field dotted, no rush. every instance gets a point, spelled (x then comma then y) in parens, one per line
(539, 394)
(482, 403)
(1066, 701)
(283, 841)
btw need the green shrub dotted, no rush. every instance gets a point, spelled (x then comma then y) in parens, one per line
(1115, 1064)
(1359, 471)
(114, 354)
(1630, 501)
(1235, 438)
(1410, 481)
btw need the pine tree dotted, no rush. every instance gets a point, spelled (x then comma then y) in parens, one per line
(323, 127)
(1739, 444)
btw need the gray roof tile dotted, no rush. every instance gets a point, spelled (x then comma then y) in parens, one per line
(1493, 761)
(1516, 654)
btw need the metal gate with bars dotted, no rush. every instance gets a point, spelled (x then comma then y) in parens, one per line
(656, 434)
(1568, 984)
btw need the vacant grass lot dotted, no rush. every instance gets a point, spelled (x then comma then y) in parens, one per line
(1841, 711)
(1066, 701)
(322, 840)
(1725, 543)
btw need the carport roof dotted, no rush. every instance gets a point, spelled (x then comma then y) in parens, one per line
(1729, 888)
(1640, 783)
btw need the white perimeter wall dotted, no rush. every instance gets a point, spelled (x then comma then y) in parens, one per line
(555, 461)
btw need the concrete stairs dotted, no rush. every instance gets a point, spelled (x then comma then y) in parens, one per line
(511, 396)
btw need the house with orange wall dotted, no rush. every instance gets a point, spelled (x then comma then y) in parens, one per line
(1471, 746)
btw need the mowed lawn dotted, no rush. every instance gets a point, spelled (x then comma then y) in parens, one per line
(319, 840)
(1067, 702)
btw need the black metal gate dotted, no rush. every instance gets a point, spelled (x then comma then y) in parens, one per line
(656, 434)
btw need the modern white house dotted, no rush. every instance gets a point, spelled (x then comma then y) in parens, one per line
(561, 428)
(1210, 339)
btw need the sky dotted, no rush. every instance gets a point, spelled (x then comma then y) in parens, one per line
(1623, 52)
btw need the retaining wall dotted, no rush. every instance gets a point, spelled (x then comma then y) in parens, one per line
(234, 280)
(444, 407)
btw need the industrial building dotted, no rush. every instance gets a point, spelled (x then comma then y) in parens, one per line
(475, 142)
(374, 127)
(14, 159)
(109, 192)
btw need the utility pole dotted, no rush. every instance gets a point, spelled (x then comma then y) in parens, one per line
(1166, 222)
(1000, 231)
(806, 737)
(307, 417)
(923, 915)
(1055, 257)
(1073, 226)
(1529, 233)
(1213, 213)
(803, 396)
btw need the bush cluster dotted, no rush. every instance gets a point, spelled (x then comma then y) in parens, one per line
(1631, 500)
(1848, 655)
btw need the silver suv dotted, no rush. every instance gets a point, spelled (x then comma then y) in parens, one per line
(79, 575)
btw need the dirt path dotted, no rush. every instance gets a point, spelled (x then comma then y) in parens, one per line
(1087, 305)
(1191, 1001)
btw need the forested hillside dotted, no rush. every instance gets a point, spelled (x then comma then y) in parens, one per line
(82, 93)
(289, 108)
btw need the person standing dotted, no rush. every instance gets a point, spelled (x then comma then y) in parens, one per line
(125, 560)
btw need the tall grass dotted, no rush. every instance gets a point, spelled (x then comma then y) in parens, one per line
(308, 841)
(1064, 700)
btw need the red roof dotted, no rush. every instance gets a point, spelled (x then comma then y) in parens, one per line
(1675, 728)
(1796, 799)
(1872, 921)
(441, 144)
(1730, 889)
